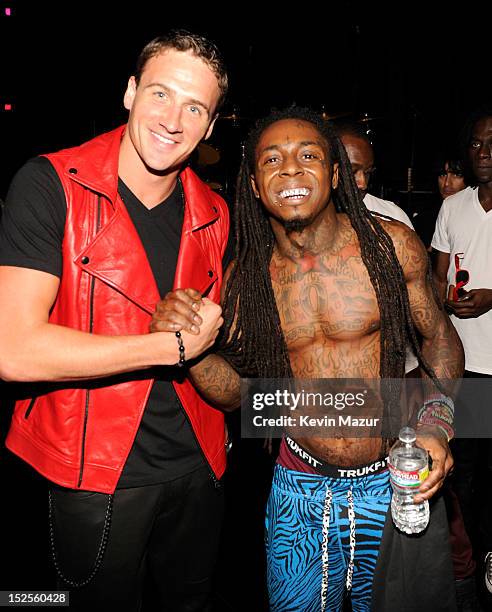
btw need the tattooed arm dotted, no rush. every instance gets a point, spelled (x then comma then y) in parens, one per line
(217, 382)
(441, 348)
(441, 345)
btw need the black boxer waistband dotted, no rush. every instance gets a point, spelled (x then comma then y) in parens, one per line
(334, 471)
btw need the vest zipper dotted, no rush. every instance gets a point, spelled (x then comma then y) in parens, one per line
(215, 480)
(30, 407)
(91, 325)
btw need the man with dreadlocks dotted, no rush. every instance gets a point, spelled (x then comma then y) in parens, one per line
(322, 289)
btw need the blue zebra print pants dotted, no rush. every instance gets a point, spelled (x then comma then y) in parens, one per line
(322, 539)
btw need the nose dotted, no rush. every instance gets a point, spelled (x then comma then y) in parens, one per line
(291, 166)
(361, 180)
(171, 119)
(484, 151)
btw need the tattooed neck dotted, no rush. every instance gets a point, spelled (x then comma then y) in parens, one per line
(317, 237)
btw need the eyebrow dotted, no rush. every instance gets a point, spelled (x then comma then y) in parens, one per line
(306, 143)
(303, 143)
(190, 100)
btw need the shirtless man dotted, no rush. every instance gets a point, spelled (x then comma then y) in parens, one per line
(300, 302)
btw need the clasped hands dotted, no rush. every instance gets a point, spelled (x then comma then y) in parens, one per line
(178, 311)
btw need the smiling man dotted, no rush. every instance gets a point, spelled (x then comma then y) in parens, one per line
(92, 238)
(321, 289)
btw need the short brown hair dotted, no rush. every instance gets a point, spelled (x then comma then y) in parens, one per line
(182, 40)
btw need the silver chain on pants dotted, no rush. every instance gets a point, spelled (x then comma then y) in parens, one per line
(324, 544)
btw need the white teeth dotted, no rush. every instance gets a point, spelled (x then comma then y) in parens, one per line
(293, 193)
(162, 139)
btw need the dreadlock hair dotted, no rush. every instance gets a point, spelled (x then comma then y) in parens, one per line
(252, 339)
(465, 137)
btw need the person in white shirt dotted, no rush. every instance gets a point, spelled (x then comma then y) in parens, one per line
(462, 270)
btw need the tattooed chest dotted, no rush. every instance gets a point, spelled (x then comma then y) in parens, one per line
(333, 307)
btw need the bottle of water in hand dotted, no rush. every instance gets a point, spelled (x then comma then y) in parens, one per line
(408, 466)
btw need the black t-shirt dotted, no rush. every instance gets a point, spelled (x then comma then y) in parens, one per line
(31, 236)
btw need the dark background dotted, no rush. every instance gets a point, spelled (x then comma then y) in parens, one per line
(64, 68)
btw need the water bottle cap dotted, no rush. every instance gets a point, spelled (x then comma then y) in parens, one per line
(407, 435)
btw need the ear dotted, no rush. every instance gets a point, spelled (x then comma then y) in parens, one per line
(130, 93)
(334, 176)
(253, 186)
(210, 128)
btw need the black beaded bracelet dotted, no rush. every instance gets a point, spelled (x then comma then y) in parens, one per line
(181, 349)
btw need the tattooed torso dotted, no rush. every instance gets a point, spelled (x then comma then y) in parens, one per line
(330, 319)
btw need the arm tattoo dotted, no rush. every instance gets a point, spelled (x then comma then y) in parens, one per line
(441, 346)
(217, 382)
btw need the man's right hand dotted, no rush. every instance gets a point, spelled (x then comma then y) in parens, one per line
(178, 311)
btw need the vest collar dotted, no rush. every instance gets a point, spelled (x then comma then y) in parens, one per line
(95, 165)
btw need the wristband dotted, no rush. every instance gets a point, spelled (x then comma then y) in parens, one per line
(444, 427)
(181, 349)
(436, 411)
(440, 413)
(439, 398)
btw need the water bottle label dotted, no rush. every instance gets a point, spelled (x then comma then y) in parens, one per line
(407, 480)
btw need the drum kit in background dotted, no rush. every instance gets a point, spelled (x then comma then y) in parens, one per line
(217, 160)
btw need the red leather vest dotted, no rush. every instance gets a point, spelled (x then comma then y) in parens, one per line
(81, 438)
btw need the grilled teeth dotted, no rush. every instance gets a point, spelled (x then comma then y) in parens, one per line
(292, 193)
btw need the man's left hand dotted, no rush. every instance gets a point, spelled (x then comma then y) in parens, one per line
(434, 441)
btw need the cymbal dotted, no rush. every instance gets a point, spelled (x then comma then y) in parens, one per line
(329, 116)
(207, 155)
(234, 117)
(366, 118)
(231, 117)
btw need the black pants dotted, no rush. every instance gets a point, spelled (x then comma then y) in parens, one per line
(169, 531)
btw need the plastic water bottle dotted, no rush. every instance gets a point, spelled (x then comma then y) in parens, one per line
(409, 467)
